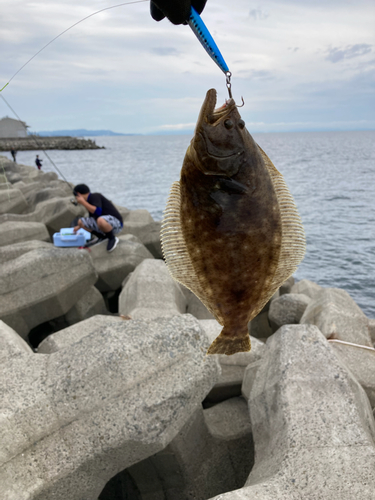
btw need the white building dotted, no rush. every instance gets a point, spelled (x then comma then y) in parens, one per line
(12, 128)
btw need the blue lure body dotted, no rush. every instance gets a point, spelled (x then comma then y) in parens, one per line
(201, 32)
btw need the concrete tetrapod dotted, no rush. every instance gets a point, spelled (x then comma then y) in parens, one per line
(212, 453)
(337, 316)
(43, 284)
(312, 424)
(151, 292)
(55, 213)
(16, 232)
(72, 419)
(129, 253)
(12, 200)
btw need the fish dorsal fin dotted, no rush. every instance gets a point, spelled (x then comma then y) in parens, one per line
(174, 248)
(293, 244)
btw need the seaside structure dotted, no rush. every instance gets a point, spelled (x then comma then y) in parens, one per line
(11, 128)
(108, 393)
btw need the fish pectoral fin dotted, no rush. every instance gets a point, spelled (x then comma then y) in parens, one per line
(227, 343)
(231, 186)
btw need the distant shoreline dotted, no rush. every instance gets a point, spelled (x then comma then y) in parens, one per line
(37, 143)
(109, 133)
(82, 132)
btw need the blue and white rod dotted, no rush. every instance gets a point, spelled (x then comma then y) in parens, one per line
(201, 32)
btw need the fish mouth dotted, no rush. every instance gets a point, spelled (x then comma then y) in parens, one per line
(219, 147)
(209, 114)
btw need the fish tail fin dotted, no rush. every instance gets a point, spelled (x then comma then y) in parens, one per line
(228, 344)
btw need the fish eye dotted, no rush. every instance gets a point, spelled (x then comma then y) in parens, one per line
(228, 124)
(241, 124)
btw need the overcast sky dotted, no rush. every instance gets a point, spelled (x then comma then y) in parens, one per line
(299, 65)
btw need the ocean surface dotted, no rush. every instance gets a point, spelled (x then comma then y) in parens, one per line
(330, 174)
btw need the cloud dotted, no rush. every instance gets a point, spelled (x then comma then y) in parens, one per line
(177, 126)
(335, 54)
(258, 14)
(256, 74)
(165, 51)
(119, 70)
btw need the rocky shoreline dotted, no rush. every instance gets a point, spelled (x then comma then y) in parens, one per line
(38, 143)
(99, 406)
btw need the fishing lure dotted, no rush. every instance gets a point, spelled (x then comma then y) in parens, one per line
(201, 32)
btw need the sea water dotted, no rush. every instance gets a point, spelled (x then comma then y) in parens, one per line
(331, 176)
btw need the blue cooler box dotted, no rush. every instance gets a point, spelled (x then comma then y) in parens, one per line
(68, 238)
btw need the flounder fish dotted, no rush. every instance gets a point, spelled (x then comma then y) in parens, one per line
(231, 231)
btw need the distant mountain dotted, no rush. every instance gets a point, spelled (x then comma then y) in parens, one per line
(82, 132)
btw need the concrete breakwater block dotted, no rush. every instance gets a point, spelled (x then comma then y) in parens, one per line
(33, 198)
(138, 216)
(141, 224)
(361, 363)
(43, 284)
(212, 453)
(233, 367)
(12, 201)
(371, 326)
(306, 287)
(75, 418)
(30, 189)
(90, 304)
(113, 268)
(150, 292)
(12, 346)
(55, 213)
(15, 232)
(259, 327)
(148, 234)
(286, 287)
(337, 316)
(11, 252)
(16, 172)
(74, 333)
(312, 424)
(287, 309)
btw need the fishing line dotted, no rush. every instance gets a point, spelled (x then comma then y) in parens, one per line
(37, 142)
(39, 51)
(70, 27)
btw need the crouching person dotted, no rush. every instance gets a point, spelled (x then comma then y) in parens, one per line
(104, 222)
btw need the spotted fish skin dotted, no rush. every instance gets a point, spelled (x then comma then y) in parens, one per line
(228, 215)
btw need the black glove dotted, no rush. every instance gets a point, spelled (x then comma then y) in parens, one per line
(177, 11)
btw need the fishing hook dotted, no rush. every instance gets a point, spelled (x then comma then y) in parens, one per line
(228, 76)
(241, 105)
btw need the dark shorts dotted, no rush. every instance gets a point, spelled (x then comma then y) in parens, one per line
(91, 224)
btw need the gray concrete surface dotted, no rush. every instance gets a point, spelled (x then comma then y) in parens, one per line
(90, 304)
(336, 315)
(306, 287)
(312, 424)
(114, 267)
(287, 309)
(16, 232)
(43, 284)
(74, 418)
(12, 201)
(151, 292)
